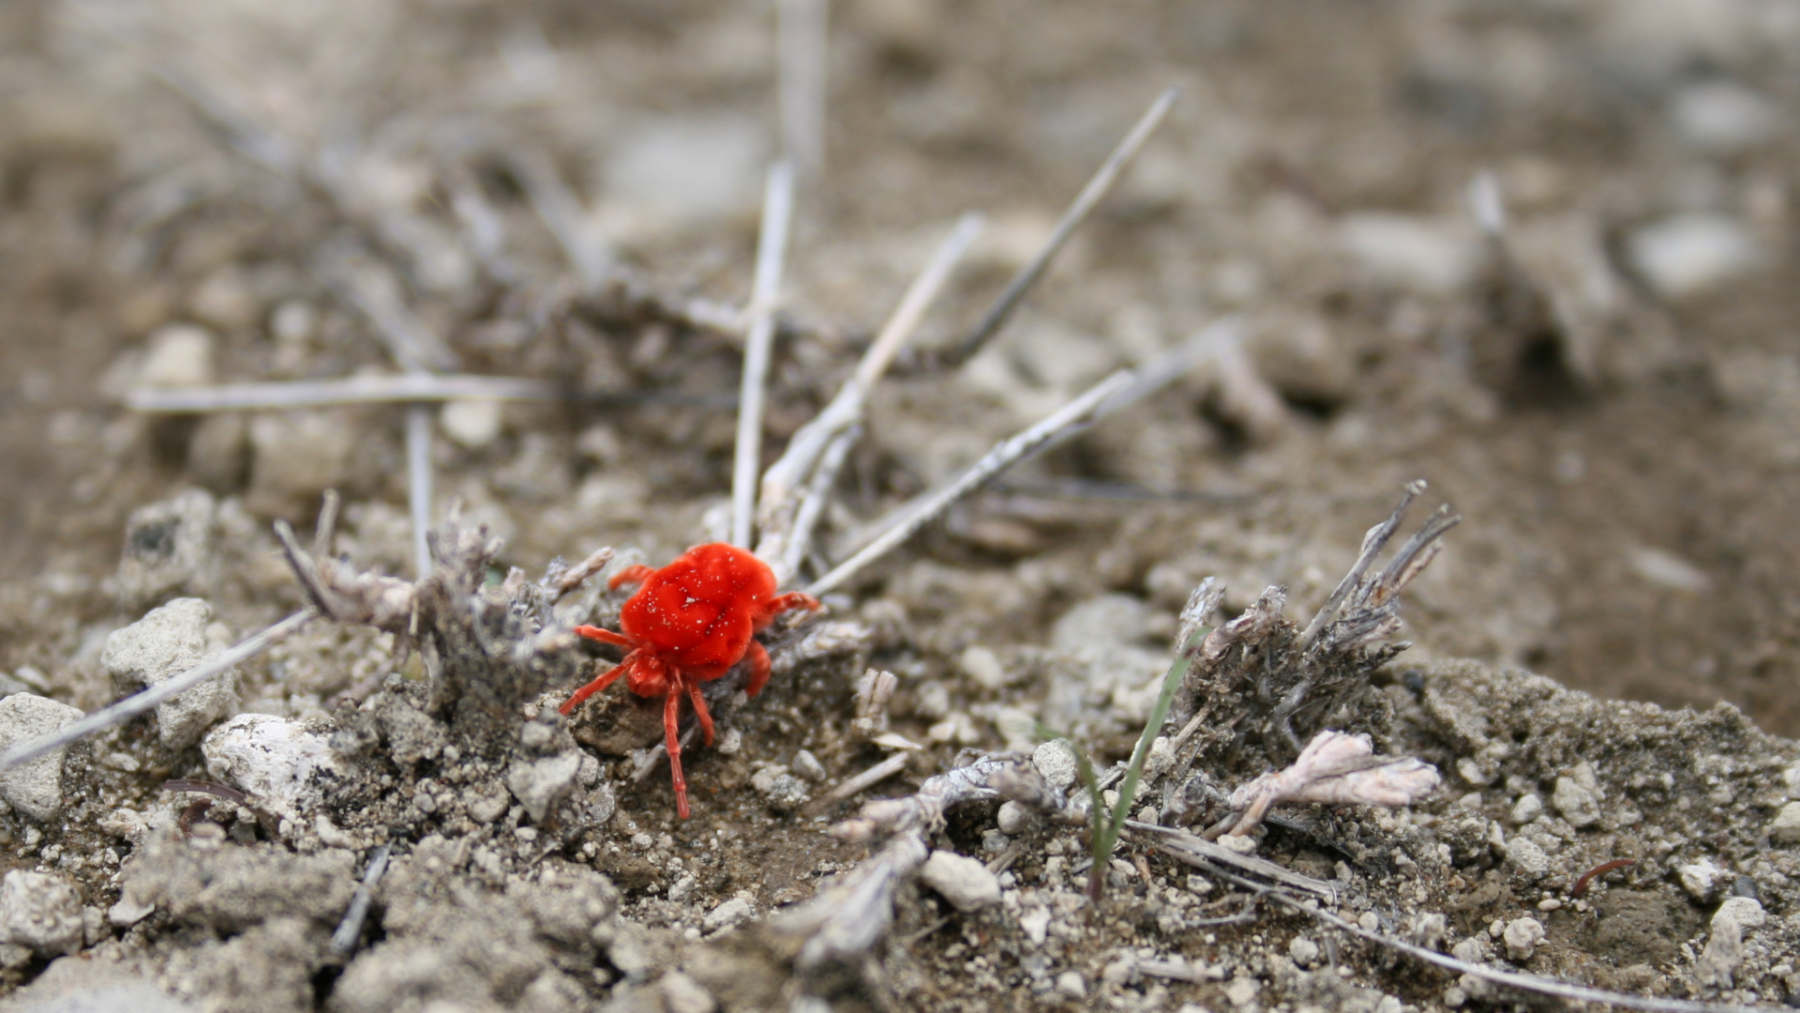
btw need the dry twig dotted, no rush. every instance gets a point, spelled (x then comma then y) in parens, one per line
(771, 252)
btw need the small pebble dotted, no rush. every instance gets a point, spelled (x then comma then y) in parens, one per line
(1690, 254)
(1785, 829)
(166, 643)
(1524, 855)
(40, 911)
(682, 994)
(1529, 807)
(1056, 761)
(984, 667)
(1521, 937)
(964, 882)
(34, 788)
(808, 766)
(1071, 984)
(1700, 878)
(1575, 802)
(1015, 818)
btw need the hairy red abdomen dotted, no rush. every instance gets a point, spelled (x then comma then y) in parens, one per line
(699, 612)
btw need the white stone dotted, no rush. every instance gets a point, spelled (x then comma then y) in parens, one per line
(1056, 761)
(1409, 252)
(167, 642)
(128, 912)
(1036, 925)
(808, 766)
(1665, 569)
(984, 667)
(1785, 829)
(40, 911)
(1099, 621)
(34, 788)
(1575, 802)
(682, 994)
(1521, 938)
(729, 913)
(178, 355)
(781, 790)
(1529, 807)
(1015, 818)
(1523, 854)
(1690, 254)
(541, 783)
(1071, 984)
(1700, 878)
(1745, 912)
(1242, 991)
(1723, 118)
(963, 881)
(473, 423)
(1304, 951)
(278, 762)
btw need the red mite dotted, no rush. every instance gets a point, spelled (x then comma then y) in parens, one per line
(689, 623)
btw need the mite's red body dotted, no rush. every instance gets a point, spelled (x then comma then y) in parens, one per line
(689, 623)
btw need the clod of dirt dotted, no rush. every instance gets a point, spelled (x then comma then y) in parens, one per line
(165, 643)
(34, 788)
(229, 888)
(168, 548)
(40, 911)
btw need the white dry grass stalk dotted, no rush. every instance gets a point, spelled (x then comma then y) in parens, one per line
(1511, 979)
(343, 940)
(138, 703)
(801, 27)
(771, 252)
(1090, 196)
(913, 516)
(874, 775)
(815, 451)
(400, 388)
(418, 484)
(563, 213)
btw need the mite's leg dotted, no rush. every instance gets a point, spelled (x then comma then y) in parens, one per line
(605, 636)
(700, 712)
(606, 679)
(782, 603)
(758, 656)
(629, 575)
(672, 728)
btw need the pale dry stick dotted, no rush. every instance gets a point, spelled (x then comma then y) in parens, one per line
(846, 408)
(398, 388)
(343, 941)
(801, 27)
(367, 284)
(563, 214)
(771, 251)
(812, 503)
(418, 484)
(138, 703)
(1090, 196)
(1512, 979)
(1373, 542)
(1008, 452)
(874, 775)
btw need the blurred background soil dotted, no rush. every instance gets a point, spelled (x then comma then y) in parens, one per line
(1623, 449)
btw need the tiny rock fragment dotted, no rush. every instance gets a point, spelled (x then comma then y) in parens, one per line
(1014, 818)
(1576, 803)
(34, 788)
(541, 783)
(1529, 807)
(1036, 925)
(1056, 761)
(1690, 254)
(781, 790)
(1700, 878)
(1242, 991)
(1747, 912)
(165, 643)
(1527, 858)
(808, 766)
(1521, 936)
(276, 761)
(1304, 951)
(1785, 829)
(177, 355)
(731, 912)
(682, 994)
(473, 423)
(128, 912)
(40, 911)
(1071, 984)
(964, 882)
(984, 667)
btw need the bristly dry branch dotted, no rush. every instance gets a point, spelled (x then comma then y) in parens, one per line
(1286, 684)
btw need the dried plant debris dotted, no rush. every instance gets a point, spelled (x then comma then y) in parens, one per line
(1265, 685)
